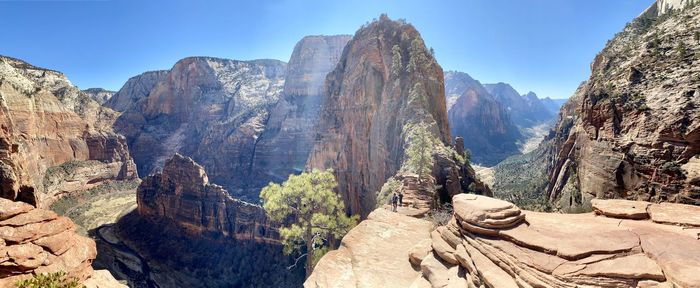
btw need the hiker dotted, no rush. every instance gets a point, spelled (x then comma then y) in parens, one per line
(400, 199)
(394, 202)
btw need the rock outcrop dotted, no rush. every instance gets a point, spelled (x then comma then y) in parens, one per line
(525, 110)
(182, 194)
(213, 110)
(218, 241)
(484, 123)
(136, 88)
(385, 79)
(49, 130)
(99, 95)
(633, 129)
(285, 144)
(36, 241)
(373, 254)
(493, 243)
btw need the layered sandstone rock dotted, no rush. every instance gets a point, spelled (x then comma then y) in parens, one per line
(134, 89)
(99, 95)
(36, 241)
(633, 130)
(289, 134)
(360, 132)
(495, 244)
(182, 194)
(211, 109)
(49, 129)
(484, 122)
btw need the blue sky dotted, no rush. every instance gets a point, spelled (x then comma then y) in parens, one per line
(544, 46)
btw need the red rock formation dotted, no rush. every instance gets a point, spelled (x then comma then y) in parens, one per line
(211, 109)
(134, 89)
(48, 125)
(285, 144)
(484, 123)
(182, 194)
(633, 130)
(492, 243)
(35, 241)
(360, 132)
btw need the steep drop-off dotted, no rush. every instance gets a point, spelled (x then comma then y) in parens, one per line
(633, 129)
(54, 139)
(483, 122)
(385, 79)
(213, 110)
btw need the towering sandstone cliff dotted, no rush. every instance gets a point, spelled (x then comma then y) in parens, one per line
(360, 132)
(285, 144)
(211, 109)
(484, 122)
(54, 139)
(134, 89)
(633, 129)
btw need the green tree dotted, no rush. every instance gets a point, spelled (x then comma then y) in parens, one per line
(682, 50)
(396, 65)
(419, 155)
(49, 280)
(309, 212)
(417, 55)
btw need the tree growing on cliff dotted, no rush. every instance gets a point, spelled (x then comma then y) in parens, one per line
(396, 65)
(419, 154)
(309, 212)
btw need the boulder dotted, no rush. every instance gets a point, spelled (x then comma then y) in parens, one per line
(618, 208)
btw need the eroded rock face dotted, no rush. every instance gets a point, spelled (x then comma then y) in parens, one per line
(49, 129)
(484, 123)
(493, 243)
(285, 144)
(99, 95)
(525, 110)
(360, 132)
(134, 89)
(213, 110)
(633, 130)
(38, 241)
(181, 193)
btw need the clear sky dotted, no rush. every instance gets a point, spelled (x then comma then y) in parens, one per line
(544, 46)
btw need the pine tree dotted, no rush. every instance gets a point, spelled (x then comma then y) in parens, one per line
(317, 213)
(419, 155)
(396, 65)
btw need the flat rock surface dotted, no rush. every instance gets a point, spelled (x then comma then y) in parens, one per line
(373, 254)
(676, 214)
(617, 208)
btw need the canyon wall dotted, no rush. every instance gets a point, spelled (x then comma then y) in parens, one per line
(481, 120)
(54, 139)
(385, 79)
(633, 129)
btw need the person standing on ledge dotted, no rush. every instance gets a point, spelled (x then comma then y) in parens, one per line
(394, 202)
(400, 199)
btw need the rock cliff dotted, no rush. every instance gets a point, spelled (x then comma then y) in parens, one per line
(134, 89)
(525, 110)
(99, 95)
(218, 241)
(285, 144)
(213, 110)
(632, 130)
(483, 122)
(181, 193)
(385, 79)
(492, 243)
(38, 241)
(49, 129)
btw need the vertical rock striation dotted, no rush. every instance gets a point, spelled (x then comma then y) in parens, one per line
(48, 129)
(360, 132)
(633, 129)
(285, 144)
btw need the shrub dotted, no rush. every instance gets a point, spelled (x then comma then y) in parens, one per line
(50, 280)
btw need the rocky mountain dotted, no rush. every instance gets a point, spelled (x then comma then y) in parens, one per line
(632, 130)
(54, 138)
(99, 95)
(284, 146)
(525, 110)
(553, 105)
(211, 109)
(134, 89)
(483, 122)
(34, 240)
(189, 232)
(385, 79)
(492, 243)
